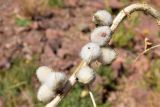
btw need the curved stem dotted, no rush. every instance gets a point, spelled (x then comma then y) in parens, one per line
(153, 47)
(92, 97)
(135, 7)
(118, 19)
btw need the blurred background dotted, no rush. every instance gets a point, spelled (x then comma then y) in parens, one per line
(52, 32)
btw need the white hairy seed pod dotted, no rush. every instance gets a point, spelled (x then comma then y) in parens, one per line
(86, 75)
(102, 18)
(56, 80)
(90, 52)
(45, 94)
(108, 56)
(101, 35)
(42, 73)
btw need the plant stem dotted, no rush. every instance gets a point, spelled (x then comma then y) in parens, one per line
(153, 47)
(92, 97)
(135, 7)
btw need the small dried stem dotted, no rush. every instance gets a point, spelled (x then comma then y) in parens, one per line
(92, 97)
(153, 47)
(118, 19)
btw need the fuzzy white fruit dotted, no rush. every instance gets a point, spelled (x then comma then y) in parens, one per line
(45, 94)
(56, 80)
(102, 18)
(108, 56)
(90, 52)
(42, 73)
(86, 75)
(101, 35)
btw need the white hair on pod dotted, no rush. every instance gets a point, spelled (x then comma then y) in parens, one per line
(90, 52)
(86, 75)
(56, 80)
(101, 35)
(45, 94)
(42, 73)
(102, 18)
(108, 56)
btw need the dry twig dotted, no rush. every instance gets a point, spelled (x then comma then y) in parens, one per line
(145, 51)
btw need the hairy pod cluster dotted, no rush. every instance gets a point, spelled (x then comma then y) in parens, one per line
(108, 56)
(101, 35)
(102, 18)
(51, 81)
(95, 50)
(56, 80)
(90, 52)
(45, 94)
(86, 75)
(42, 73)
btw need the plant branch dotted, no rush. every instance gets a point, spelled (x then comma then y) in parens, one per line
(92, 97)
(135, 7)
(153, 47)
(118, 19)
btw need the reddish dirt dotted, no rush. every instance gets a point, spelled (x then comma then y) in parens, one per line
(58, 39)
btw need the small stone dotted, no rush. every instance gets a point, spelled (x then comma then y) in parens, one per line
(84, 28)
